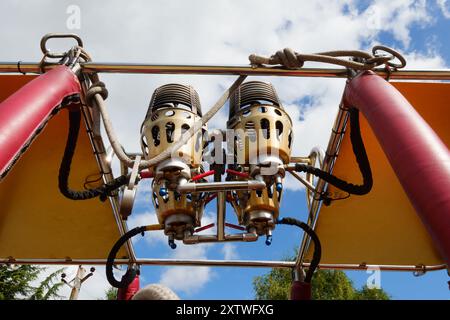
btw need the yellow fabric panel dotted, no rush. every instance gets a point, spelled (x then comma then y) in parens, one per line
(36, 221)
(382, 227)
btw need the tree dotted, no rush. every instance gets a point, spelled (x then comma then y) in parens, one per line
(325, 285)
(48, 288)
(111, 293)
(16, 283)
(371, 294)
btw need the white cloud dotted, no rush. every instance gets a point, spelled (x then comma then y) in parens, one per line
(187, 279)
(445, 7)
(138, 219)
(431, 60)
(229, 251)
(396, 16)
(222, 32)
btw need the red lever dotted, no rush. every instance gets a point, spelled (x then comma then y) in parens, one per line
(202, 175)
(208, 226)
(146, 174)
(237, 173)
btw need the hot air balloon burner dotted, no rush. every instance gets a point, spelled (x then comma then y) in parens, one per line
(262, 146)
(173, 110)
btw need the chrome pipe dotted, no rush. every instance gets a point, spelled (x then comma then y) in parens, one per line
(221, 186)
(139, 68)
(105, 166)
(303, 181)
(222, 263)
(305, 160)
(221, 207)
(337, 134)
(245, 237)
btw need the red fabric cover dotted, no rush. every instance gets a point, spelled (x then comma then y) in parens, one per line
(128, 292)
(300, 290)
(418, 157)
(27, 109)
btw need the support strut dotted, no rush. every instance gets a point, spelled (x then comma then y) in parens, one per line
(419, 158)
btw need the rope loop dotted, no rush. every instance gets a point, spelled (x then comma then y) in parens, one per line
(359, 60)
(70, 58)
(96, 88)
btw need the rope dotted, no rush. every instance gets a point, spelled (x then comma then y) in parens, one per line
(317, 246)
(361, 158)
(98, 93)
(64, 170)
(294, 60)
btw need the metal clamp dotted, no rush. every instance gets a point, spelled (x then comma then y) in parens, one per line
(49, 36)
(317, 154)
(421, 270)
(129, 192)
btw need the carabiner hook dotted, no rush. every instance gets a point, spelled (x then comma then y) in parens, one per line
(49, 36)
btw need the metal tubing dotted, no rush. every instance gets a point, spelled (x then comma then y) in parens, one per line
(303, 181)
(221, 207)
(337, 134)
(305, 160)
(222, 263)
(246, 237)
(105, 166)
(221, 186)
(92, 67)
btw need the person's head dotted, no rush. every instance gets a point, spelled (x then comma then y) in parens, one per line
(155, 292)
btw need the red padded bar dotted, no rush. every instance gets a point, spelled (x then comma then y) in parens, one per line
(417, 155)
(29, 108)
(300, 290)
(128, 292)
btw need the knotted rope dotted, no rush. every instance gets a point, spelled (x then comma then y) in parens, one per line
(361, 60)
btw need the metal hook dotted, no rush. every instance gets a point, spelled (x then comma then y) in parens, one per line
(49, 36)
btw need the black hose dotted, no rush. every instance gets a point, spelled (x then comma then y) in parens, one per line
(361, 157)
(317, 254)
(64, 170)
(131, 273)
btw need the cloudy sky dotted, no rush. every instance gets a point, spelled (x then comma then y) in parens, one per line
(226, 32)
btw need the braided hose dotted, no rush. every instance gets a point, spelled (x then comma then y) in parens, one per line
(64, 170)
(317, 254)
(361, 158)
(131, 273)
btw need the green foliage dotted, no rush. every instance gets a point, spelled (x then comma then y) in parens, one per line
(326, 285)
(332, 285)
(48, 288)
(111, 293)
(371, 294)
(16, 283)
(273, 286)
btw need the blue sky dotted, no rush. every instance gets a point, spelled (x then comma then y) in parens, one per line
(226, 32)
